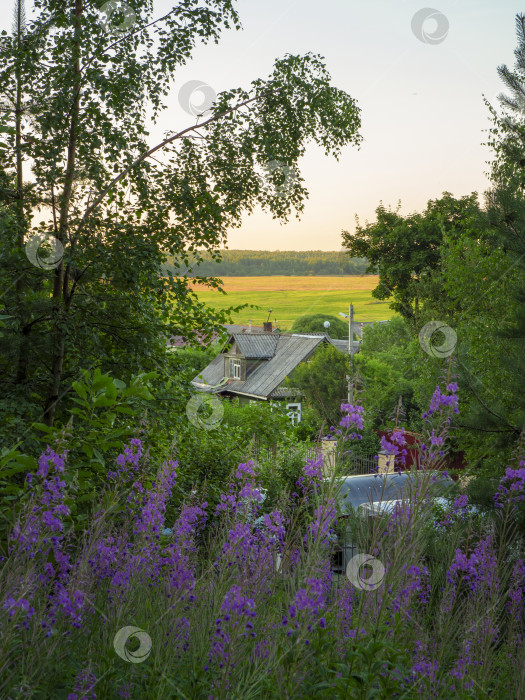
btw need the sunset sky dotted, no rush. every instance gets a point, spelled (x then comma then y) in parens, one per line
(423, 116)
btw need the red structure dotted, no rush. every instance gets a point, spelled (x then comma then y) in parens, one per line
(455, 460)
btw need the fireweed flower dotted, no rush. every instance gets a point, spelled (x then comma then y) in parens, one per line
(237, 610)
(245, 471)
(415, 583)
(151, 517)
(84, 684)
(516, 599)
(353, 418)
(312, 598)
(176, 560)
(243, 497)
(458, 511)
(424, 666)
(70, 605)
(478, 571)
(14, 607)
(249, 552)
(314, 468)
(307, 606)
(401, 519)
(312, 475)
(40, 530)
(275, 526)
(191, 520)
(396, 446)
(237, 604)
(440, 400)
(344, 606)
(322, 526)
(462, 665)
(127, 462)
(48, 458)
(511, 488)
(107, 556)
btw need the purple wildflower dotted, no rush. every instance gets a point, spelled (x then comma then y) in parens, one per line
(396, 446)
(353, 417)
(84, 684)
(13, 606)
(440, 400)
(511, 488)
(151, 516)
(127, 461)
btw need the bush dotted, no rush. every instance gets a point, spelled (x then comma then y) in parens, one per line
(314, 323)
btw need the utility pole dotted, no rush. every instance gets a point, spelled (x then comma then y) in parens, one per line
(350, 378)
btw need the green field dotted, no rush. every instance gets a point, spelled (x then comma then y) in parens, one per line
(291, 297)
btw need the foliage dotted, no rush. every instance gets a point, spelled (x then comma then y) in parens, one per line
(387, 373)
(88, 93)
(322, 379)
(405, 250)
(102, 418)
(314, 323)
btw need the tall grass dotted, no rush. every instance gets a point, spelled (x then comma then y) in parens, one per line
(241, 602)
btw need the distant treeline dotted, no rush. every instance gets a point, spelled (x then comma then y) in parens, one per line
(252, 263)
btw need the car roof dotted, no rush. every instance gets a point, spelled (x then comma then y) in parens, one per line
(362, 488)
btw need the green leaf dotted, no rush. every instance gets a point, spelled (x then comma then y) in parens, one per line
(99, 457)
(44, 428)
(101, 381)
(87, 450)
(102, 401)
(80, 389)
(125, 409)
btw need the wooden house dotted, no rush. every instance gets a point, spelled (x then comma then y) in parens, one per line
(253, 367)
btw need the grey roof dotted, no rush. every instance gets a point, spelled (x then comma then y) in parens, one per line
(240, 328)
(290, 351)
(257, 345)
(342, 345)
(284, 392)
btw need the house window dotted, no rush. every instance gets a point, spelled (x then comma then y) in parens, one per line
(294, 412)
(235, 369)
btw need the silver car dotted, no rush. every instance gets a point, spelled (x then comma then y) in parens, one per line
(378, 494)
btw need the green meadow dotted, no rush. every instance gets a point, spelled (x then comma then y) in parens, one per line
(291, 297)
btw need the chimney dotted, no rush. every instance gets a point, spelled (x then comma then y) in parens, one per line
(250, 326)
(267, 326)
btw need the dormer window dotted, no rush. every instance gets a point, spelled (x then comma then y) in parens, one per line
(235, 368)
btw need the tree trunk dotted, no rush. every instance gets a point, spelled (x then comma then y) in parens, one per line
(23, 348)
(61, 297)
